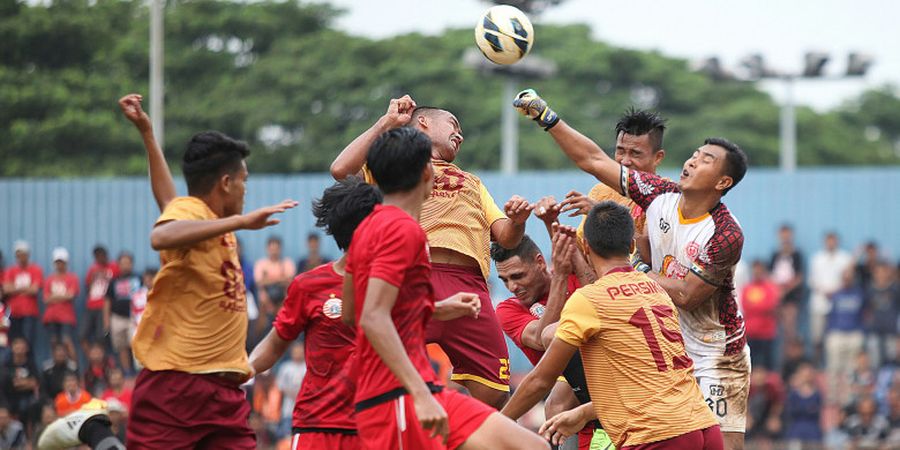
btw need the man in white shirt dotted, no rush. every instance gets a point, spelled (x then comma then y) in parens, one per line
(824, 279)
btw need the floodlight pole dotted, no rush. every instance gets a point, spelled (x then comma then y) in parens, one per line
(509, 134)
(157, 88)
(788, 129)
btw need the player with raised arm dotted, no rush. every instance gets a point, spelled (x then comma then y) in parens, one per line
(460, 219)
(634, 357)
(539, 296)
(323, 411)
(388, 280)
(639, 146)
(695, 244)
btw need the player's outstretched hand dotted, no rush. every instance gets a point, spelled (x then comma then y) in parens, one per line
(529, 103)
(461, 304)
(517, 209)
(546, 209)
(432, 416)
(578, 203)
(131, 107)
(399, 112)
(563, 425)
(563, 249)
(262, 217)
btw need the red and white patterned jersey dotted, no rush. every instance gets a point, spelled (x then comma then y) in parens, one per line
(709, 246)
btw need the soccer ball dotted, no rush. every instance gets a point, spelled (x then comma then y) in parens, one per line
(504, 34)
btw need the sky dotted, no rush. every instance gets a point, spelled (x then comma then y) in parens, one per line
(783, 31)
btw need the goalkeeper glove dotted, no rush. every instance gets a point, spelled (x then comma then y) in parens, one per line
(529, 103)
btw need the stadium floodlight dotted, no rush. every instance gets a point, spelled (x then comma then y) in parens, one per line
(756, 67)
(532, 66)
(712, 67)
(858, 64)
(814, 64)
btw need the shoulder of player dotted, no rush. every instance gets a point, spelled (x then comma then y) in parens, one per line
(510, 305)
(726, 225)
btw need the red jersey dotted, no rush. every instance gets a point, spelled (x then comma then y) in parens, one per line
(313, 306)
(760, 305)
(514, 317)
(96, 282)
(391, 246)
(23, 305)
(56, 284)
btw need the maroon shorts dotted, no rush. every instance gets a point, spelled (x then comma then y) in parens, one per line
(319, 441)
(393, 425)
(705, 439)
(179, 410)
(476, 347)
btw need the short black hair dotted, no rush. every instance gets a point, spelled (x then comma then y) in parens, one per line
(427, 111)
(343, 206)
(786, 226)
(209, 155)
(274, 238)
(100, 250)
(735, 159)
(638, 122)
(151, 271)
(527, 250)
(126, 254)
(312, 236)
(609, 230)
(397, 158)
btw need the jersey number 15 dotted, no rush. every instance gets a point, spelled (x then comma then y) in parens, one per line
(641, 320)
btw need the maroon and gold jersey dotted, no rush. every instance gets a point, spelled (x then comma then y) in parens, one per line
(313, 306)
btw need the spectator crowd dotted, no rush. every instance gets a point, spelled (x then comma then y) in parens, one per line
(825, 349)
(89, 344)
(823, 335)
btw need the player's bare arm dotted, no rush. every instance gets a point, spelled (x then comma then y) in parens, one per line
(378, 326)
(563, 248)
(462, 304)
(688, 293)
(348, 306)
(540, 380)
(160, 176)
(268, 352)
(508, 232)
(352, 158)
(183, 233)
(568, 423)
(586, 154)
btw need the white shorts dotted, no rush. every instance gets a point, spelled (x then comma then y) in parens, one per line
(725, 384)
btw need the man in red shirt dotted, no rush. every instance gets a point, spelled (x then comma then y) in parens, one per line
(21, 284)
(761, 298)
(96, 283)
(388, 273)
(323, 412)
(60, 290)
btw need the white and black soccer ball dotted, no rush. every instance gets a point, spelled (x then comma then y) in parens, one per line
(504, 34)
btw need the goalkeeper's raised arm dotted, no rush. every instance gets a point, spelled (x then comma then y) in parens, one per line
(586, 154)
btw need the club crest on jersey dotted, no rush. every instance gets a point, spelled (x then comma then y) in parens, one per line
(692, 250)
(537, 310)
(332, 307)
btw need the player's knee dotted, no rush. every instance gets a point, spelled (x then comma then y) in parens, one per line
(490, 396)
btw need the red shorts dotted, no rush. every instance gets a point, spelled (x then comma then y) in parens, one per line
(476, 347)
(393, 425)
(585, 436)
(705, 439)
(179, 410)
(330, 441)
